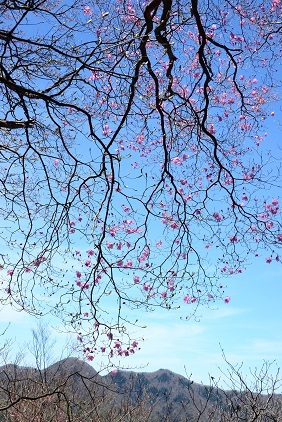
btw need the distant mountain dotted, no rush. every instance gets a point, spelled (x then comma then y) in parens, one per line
(71, 365)
(71, 389)
(172, 397)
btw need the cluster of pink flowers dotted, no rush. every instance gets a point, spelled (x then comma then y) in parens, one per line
(187, 299)
(273, 207)
(218, 216)
(145, 254)
(169, 221)
(231, 270)
(72, 226)
(120, 351)
(269, 259)
(114, 347)
(38, 261)
(87, 10)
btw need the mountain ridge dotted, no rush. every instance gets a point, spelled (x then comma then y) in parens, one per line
(160, 395)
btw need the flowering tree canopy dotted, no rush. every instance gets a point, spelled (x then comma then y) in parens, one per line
(131, 159)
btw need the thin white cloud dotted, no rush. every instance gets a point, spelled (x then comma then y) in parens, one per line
(10, 314)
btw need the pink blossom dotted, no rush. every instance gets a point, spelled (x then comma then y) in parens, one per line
(39, 261)
(249, 176)
(87, 10)
(10, 272)
(78, 274)
(113, 231)
(140, 139)
(90, 252)
(94, 76)
(170, 285)
(268, 260)
(212, 129)
(98, 278)
(186, 299)
(87, 263)
(280, 238)
(174, 225)
(90, 357)
(136, 279)
(125, 208)
(176, 160)
(229, 181)
(128, 264)
(106, 130)
(217, 216)
(144, 255)
(227, 299)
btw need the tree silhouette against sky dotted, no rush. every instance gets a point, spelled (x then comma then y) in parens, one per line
(135, 171)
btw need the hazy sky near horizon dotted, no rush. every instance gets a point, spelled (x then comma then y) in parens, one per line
(248, 330)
